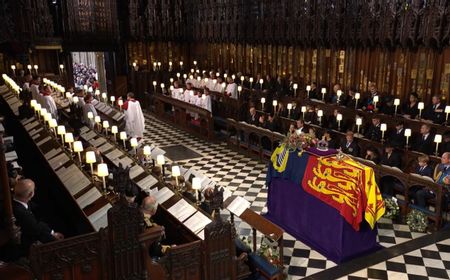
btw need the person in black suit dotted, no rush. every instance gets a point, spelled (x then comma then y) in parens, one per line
(397, 136)
(313, 91)
(423, 168)
(436, 111)
(410, 109)
(445, 145)
(253, 117)
(349, 146)
(32, 229)
(374, 132)
(372, 154)
(424, 142)
(391, 157)
(332, 120)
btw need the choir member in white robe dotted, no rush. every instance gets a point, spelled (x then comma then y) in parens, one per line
(26, 84)
(89, 107)
(177, 92)
(188, 93)
(231, 89)
(34, 88)
(134, 118)
(206, 101)
(48, 102)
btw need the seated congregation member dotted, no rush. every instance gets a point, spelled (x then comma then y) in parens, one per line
(329, 140)
(313, 92)
(397, 136)
(262, 121)
(311, 115)
(368, 102)
(441, 176)
(332, 122)
(281, 110)
(231, 89)
(332, 96)
(295, 111)
(32, 230)
(424, 142)
(391, 157)
(134, 118)
(48, 102)
(89, 107)
(445, 145)
(423, 167)
(300, 126)
(271, 123)
(435, 111)
(253, 117)
(410, 109)
(205, 205)
(189, 192)
(372, 154)
(350, 102)
(373, 132)
(349, 146)
(148, 208)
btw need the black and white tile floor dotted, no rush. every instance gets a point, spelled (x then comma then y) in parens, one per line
(246, 177)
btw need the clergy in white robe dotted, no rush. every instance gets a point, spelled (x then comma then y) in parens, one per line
(177, 92)
(134, 118)
(48, 102)
(89, 107)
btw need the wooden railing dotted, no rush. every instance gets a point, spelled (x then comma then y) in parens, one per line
(179, 113)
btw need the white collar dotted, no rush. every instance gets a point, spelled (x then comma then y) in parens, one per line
(23, 203)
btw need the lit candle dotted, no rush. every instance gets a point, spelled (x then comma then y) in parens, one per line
(114, 130)
(162, 87)
(383, 128)
(120, 102)
(339, 119)
(375, 101)
(13, 67)
(308, 89)
(113, 99)
(396, 104)
(106, 126)
(161, 162)
(324, 90)
(78, 148)
(339, 93)
(36, 68)
(239, 91)
(147, 152)
(358, 124)
(289, 107)
(242, 80)
(175, 173)
(61, 131)
(275, 104)
(295, 87)
(357, 97)
(123, 137)
(91, 159)
(437, 140)
(154, 85)
(320, 114)
(251, 82)
(407, 135)
(134, 144)
(69, 139)
(263, 100)
(261, 81)
(102, 171)
(196, 185)
(447, 111)
(303, 109)
(420, 106)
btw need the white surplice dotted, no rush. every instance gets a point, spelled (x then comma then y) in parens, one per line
(134, 119)
(49, 104)
(88, 107)
(232, 90)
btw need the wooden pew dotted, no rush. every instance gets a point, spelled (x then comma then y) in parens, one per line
(181, 115)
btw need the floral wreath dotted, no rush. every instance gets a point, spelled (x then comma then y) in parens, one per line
(392, 208)
(417, 221)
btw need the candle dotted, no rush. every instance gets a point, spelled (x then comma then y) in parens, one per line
(120, 102)
(251, 82)
(396, 104)
(295, 87)
(320, 114)
(261, 81)
(308, 89)
(274, 104)
(383, 128)
(420, 106)
(358, 124)
(447, 111)
(339, 119)
(123, 137)
(339, 93)
(175, 173)
(263, 100)
(357, 97)
(78, 148)
(303, 109)
(242, 80)
(90, 159)
(106, 126)
(375, 101)
(437, 140)
(289, 107)
(69, 139)
(154, 85)
(407, 135)
(102, 171)
(134, 144)
(324, 90)
(114, 130)
(147, 152)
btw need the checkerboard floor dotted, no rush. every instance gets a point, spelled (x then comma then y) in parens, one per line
(246, 177)
(430, 262)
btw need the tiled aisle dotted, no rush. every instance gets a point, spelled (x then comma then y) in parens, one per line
(246, 177)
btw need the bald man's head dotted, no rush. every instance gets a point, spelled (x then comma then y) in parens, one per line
(149, 205)
(445, 159)
(24, 190)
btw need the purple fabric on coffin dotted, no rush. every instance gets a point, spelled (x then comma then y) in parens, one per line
(317, 224)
